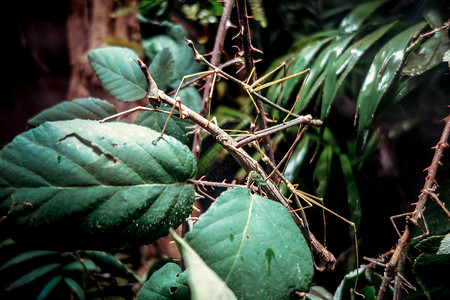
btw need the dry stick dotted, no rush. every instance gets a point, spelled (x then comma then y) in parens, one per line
(249, 66)
(325, 259)
(403, 242)
(215, 60)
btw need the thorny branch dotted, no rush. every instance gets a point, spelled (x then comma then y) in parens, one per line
(430, 185)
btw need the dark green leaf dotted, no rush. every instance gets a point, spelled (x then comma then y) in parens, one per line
(24, 257)
(108, 263)
(75, 287)
(348, 283)
(162, 69)
(253, 244)
(33, 275)
(49, 287)
(381, 74)
(322, 171)
(352, 22)
(169, 282)
(354, 200)
(430, 244)
(298, 158)
(204, 283)
(92, 185)
(432, 270)
(83, 108)
(119, 73)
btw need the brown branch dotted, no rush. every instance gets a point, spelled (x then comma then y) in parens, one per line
(403, 242)
(215, 60)
(248, 50)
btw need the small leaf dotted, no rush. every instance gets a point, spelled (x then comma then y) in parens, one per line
(354, 200)
(169, 282)
(253, 244)
(119, 73)
(162, 68)
(75, 287)
(322, 171)
(49, 287)
(257, 178)
(348, 283)
(382, 71)
(93, 186)
(83, 108)
(444, 248)
(33, 275)
(203, 281)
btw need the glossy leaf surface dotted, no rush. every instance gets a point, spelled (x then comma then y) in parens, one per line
(93, 186)
(253, 244)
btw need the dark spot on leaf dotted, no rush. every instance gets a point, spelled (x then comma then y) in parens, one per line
(248, 237)
(231, 237)
(59, 158)
(173, 289)
(269, 255)
(178, 275)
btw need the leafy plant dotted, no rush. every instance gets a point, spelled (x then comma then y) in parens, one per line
(76, 183)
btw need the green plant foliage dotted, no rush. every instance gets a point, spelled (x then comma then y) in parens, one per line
(119, 73)
(203, 281)
(248, 239)
(83, 108)
(92, 186)
(169, 282)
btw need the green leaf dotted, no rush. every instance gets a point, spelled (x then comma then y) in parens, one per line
(203, 281)
(75, 287)
(344, 64)
(119, 73)
(253, 244)
(24, 257)
(176, 127)
(33, 275)
(444, 247)
(49, 287)
(380, 76)
(430, 244)
(162, 68)
(108, 263)
(298, 158)
(354, 200)
(322, 171)
(353, 21)
(169, 282)
(93, 186)
(432, 270)
(83, 108)
(348, 283)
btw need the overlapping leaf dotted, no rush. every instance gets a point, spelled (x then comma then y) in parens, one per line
(83, 108)
(253, 244)
(79, 184)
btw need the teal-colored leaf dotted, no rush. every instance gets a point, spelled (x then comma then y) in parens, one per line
(86, 185)
(176, 127)
(33, 275)
(322, 171)
(169, 282)
(162, 68)
(83, 108)
(24, 257)
(348, 283)
(108, 263)
(353, 198)
(444, 247)
(49, 287)
(119, 73)
(381, 74)
(353, 21)
(253, 244)
(258, 179)
(342, 66)
(204, 283)
(80, 266)
(75, 287)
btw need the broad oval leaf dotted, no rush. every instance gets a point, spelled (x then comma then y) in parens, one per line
(82, 108)
(84, 185)
(169, 282)
(253, 244)
(119, 73)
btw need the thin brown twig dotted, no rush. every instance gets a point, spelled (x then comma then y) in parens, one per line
(403, 242)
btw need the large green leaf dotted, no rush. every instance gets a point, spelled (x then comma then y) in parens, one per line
(169, 282)
(80, 184)
(83, 108)
(119, 73)
(205, 284)
(380, 76)
(253, 244)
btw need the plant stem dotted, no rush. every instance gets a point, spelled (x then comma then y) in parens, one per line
(403, 242)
